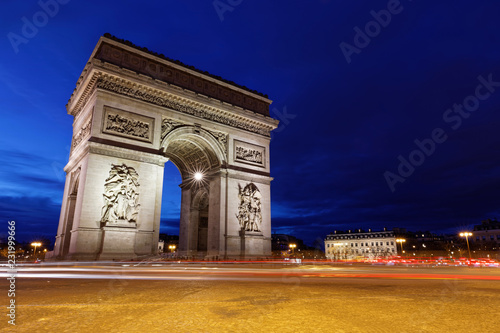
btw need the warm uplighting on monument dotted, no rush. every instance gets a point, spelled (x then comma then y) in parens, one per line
(198, 176)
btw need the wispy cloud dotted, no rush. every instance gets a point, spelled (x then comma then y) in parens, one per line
(26, 174)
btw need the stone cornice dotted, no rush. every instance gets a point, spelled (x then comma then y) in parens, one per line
(105, 149)
(102, 79)
(125, 44)
(126, 55)
(87, 92)
(145, 63)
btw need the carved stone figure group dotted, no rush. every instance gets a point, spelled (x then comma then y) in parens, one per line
(250, 155)
(249, 209)
(119, 124)
(121, 196)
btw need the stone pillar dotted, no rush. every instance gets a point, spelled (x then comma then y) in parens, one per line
(184, 228)
(63, 236)
(216, 217)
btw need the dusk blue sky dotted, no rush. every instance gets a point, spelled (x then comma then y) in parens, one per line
(344, 120)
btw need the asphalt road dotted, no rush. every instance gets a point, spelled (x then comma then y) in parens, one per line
(252, 298)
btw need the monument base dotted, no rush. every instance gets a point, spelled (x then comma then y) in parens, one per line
(118, 239)
(253, 245)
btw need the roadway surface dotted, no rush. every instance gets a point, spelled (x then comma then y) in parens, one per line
(159, 297)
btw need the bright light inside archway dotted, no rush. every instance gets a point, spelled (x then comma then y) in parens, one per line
(198, 176)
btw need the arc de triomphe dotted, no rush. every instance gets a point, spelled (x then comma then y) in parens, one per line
(133, 111)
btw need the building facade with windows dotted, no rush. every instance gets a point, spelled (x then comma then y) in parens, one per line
(487, 234)
(353, 244)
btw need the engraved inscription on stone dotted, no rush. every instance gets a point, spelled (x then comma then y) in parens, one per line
(122, 123)
(248, 153)
(249, 209)
(121, 195)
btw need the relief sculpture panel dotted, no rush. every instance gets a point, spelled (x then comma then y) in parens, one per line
(168, 125)
(248, 153)
(121, 195)
(250, 208)
(123, 123)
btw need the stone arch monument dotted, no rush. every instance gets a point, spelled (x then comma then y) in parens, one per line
(133, 111)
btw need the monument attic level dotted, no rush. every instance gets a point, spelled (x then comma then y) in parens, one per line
(133, 111)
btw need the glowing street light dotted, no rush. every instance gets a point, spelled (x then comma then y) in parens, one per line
(198, 176)
(401, 241)
(36, 244)
(467, 235)
(172, 248)
(293, 246)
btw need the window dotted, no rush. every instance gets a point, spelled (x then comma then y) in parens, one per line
(498, 236)
(387, 243)
(392, 243)
(372, 243)
(376, 243)
(328, 245)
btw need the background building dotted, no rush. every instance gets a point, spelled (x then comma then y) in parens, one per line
(359, 243)
(288, 246)
(487, 234)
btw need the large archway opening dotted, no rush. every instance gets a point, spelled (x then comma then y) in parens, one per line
(171, 202)
(197, 155)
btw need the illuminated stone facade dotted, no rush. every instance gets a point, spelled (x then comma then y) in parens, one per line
(134, 111)
(354, 244)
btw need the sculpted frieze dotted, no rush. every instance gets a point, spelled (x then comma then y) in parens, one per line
(82, 134)
(221, 138)
(168, 125)
(119, 124)
(122, 88)
(249, 155)
(245, 152)
(123, 123)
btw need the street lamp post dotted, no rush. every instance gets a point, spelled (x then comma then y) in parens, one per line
(466, 235)
(36, 244)
(401, 241)
(172, 248)
(293, 246)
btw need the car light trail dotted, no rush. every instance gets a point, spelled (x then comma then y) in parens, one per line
(254, 274)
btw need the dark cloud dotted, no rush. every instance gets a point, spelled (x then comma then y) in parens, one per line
(34, 216)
